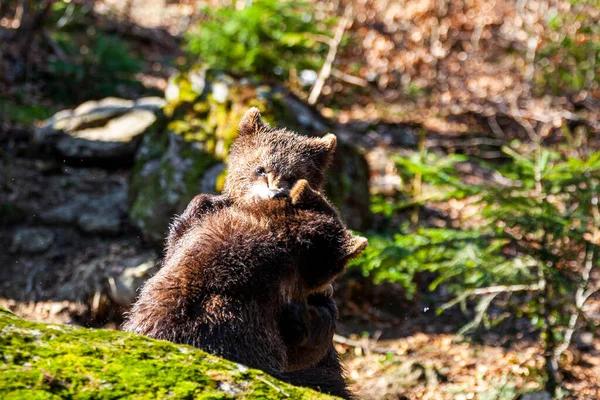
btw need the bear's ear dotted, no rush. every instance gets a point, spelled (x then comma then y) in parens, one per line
(251, 122)
(324, 148)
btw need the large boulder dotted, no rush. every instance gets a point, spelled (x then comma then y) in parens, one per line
(185, 152)
(39, 361)
(108, 130)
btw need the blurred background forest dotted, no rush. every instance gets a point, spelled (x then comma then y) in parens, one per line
(469, 155)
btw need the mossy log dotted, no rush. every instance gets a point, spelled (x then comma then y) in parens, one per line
(39, 361)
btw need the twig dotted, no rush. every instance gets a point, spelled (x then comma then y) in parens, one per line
(464, 143)
(365, 347)
(60, 53)
(517, 116)
(325, 71)
(480, 310)
(590, 74)
(353, 80)
(318, 37)
(280, 390)
(583, 292)
(67, 16)
(586, 295)
(496, 129)
(503, 289)
(476, 35)
(532, 45)
(493, 290)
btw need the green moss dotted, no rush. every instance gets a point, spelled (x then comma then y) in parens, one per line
(199, 117)
(41, 361)
(220, 184)
(24, 114)
(201, 162)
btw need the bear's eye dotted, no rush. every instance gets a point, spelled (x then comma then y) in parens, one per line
(260, 171)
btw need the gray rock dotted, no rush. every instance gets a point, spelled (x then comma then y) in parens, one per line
(100, 223)
(102, 214)
(536, 396)
(123, 288)
(163, 186)
(107, 129)
(63, 214)
(32, 240)
(114, 275)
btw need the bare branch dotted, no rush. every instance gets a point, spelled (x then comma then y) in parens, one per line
(520, 115)
(353, 80)
(366, 347)
(581, 296)
(515, 113)
(588, 293)
(325, 71)
(317, 37)
(496, 129)
(60, 53)
(504, 289)
(278, 389)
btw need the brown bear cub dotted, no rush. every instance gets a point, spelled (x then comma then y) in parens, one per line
(244, 273)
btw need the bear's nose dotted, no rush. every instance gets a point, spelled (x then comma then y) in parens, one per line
(279, 193)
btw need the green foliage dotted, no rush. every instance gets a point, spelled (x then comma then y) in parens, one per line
(78, 61)
(69, 15)
(97, 65)
(536, 232)
(455, 255)
(23, 114)
(266, 39)
(569, 59)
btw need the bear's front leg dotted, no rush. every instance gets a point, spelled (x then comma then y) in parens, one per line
(323, 244)
(307, 329)
(327, 376)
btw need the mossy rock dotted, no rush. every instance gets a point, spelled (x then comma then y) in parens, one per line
(39, 361)
(185, 151)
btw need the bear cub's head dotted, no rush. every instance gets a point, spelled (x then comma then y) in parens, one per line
(266, 162)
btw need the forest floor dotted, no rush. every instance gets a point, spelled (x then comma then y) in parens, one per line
(392, 348)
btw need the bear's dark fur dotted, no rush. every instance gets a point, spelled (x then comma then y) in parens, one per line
(243, 272)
